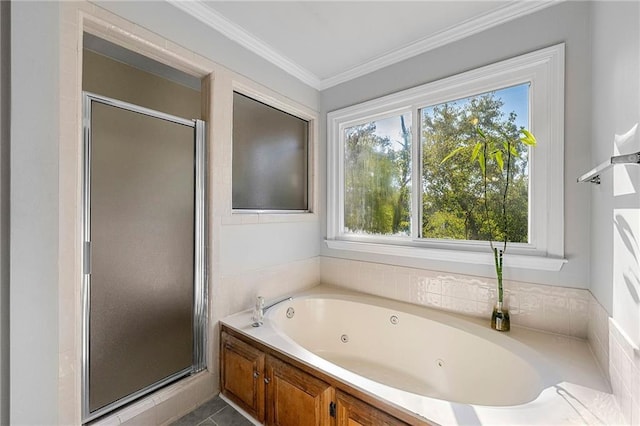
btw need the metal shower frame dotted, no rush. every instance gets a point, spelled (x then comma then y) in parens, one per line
(200, 301)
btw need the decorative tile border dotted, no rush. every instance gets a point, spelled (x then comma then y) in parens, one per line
(553, 309)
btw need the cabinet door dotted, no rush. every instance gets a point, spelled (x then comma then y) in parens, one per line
(353, 412)
(294, 398)
(242, 375)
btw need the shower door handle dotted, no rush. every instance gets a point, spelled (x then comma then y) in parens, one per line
(87, 258)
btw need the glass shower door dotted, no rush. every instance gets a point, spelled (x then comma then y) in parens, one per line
(144, 278)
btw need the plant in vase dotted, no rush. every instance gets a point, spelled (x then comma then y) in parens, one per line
(495, 153)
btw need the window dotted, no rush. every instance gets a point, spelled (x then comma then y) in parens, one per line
(390, 192)
(453, 188)
(377, 177)
(270, 152)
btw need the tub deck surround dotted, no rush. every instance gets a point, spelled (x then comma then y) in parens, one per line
(560, 310)
(570, 388)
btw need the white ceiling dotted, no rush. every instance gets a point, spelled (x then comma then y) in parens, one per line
(325, 43)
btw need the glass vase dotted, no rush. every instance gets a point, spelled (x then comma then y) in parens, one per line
(500, 318)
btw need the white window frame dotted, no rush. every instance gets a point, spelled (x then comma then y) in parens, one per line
(544, 70)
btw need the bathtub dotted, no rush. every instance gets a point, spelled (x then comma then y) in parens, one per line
(440, 367)
(435, 356)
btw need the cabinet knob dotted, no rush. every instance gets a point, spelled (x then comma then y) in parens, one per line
(256, 374)
(267, 380)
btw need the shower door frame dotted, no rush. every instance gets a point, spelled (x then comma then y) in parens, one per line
(200, 319)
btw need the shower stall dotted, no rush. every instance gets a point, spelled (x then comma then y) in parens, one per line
(144, 286)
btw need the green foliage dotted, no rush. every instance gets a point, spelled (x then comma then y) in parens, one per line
(377, 177)
(467, 149)
(443, 224)
(497, 152)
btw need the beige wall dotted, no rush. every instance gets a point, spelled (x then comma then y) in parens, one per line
(107, 77)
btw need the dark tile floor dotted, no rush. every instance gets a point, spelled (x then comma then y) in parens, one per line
(214, 412)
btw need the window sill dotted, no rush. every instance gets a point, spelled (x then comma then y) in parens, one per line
(536, 262)
(244, 218)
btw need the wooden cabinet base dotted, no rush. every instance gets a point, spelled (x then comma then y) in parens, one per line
(295, 397)
(279, 390)
(242, 375)
(353, 412)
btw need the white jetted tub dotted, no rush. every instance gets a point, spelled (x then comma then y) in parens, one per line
(452, 360)
(441, 367)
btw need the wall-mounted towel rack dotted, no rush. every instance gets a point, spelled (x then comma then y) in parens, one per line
(593, 175)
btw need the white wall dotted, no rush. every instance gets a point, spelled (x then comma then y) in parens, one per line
(567, 22)
(248, 246)
(34, 213)
(615, 204)
(177, 26)
(36, 29)
(256, 246)
(5, 92)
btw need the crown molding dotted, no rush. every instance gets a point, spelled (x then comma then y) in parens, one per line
(215, 20)
(218, 22)
(457, 32)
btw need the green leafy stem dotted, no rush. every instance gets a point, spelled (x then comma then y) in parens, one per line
(493, 149)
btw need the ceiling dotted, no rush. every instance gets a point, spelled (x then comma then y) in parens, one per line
(325, 43)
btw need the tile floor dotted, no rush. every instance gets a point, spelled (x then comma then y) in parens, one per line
(214, 412)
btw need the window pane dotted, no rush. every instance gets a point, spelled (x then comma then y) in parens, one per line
(377, 177)
(269, 157)
(452, 197)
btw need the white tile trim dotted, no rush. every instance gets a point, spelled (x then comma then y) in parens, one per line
(553, 309)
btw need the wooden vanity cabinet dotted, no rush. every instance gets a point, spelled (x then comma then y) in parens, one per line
(280, 392)
(295, 398)
(242, 375)
(353, 412)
